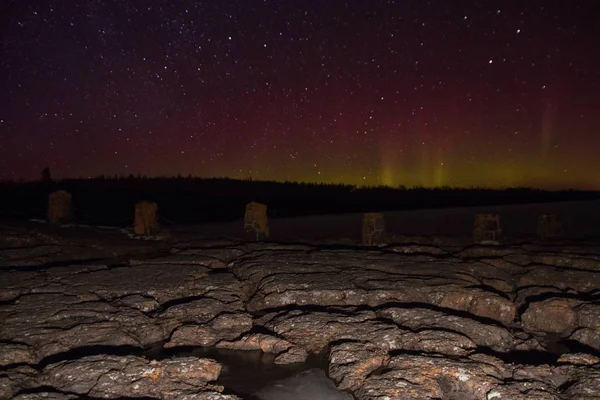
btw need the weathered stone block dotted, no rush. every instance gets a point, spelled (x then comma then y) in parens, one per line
(549, 226)
(373, 229)
(487, 229)
(552, 316)
(256, 224)
(60, 208)
(146, 218)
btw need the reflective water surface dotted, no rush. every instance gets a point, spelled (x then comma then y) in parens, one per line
(253, 375)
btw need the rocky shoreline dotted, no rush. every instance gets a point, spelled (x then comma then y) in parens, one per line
(423, 318)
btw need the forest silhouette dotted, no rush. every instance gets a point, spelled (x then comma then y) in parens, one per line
(190, 200)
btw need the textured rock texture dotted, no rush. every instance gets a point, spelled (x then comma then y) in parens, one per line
(256, 224)
(421, 319)
(373, 229)
(145, 222)
(112, 377)
(487, 229)
(60, 208)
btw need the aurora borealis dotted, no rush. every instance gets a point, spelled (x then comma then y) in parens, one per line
(431, 93)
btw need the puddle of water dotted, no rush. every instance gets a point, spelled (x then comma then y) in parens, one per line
(254, 375)
(312, 384)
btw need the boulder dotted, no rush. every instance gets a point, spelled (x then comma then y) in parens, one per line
(146, 218)
(551, 316)
(373, 229)
(487, 229)
(60, 208)
(256, 224)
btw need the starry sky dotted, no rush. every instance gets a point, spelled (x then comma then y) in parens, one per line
(413, 93)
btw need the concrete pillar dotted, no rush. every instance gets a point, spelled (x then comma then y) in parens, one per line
(146, 218)
(549, 226)
(256, 223)
(60, 208)
(373, 229)
(487, 229)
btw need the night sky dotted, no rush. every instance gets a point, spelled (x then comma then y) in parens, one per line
(431, 93)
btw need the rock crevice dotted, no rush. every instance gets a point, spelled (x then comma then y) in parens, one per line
(410, 321)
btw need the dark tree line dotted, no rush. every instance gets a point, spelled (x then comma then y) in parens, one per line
(190, 200)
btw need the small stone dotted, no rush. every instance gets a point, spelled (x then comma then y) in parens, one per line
(60, 209)
(373, 229)
(487, 229)
(551, 316)
(494, 307)
(256, 224)
(146, 218)
(292, 355)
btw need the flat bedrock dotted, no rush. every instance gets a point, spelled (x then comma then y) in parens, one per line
(407, 321)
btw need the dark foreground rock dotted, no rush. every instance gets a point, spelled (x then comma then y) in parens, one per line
(478, 377)
(402, 321)
(112, 377)
(61, 309)
(370, 278)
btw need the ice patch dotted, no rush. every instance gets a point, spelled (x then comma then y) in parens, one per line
(307, 385)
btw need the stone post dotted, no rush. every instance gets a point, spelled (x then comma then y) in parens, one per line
(487, 229)
(373, 229)
(256, 224)
(60, 208)
(146, 218)
(549, 226)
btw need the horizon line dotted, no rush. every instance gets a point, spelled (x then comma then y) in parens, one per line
(283, 182)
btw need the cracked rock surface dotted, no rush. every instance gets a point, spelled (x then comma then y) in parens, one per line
(108, 376)
(401, 321)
